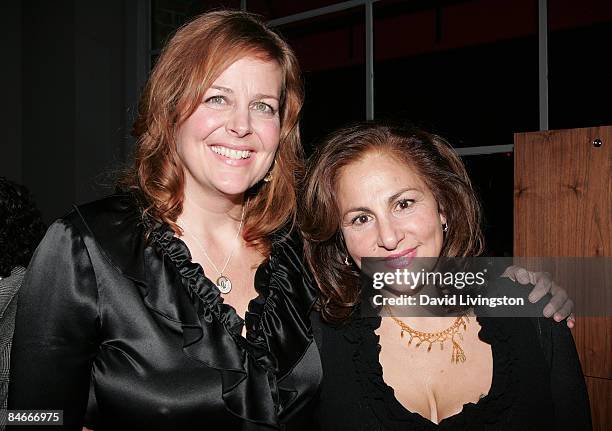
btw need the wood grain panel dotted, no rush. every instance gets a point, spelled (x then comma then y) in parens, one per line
(593, 337)
(563, 193)
(563, 207)
(600, 391)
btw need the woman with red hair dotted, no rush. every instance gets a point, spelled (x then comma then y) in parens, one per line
(134, 302)
(117, 293)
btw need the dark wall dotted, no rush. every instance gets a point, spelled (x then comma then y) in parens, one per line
(73, 70)
(10, 76)
(48, 96)
(67, 120)
(99, 122)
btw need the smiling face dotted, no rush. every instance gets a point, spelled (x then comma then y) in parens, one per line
(228, 144)
(387, 210)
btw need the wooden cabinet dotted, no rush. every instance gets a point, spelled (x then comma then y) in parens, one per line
(563, 207)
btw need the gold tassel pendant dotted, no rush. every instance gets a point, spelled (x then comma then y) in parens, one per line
(457, 354)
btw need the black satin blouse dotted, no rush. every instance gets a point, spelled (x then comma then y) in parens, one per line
(143, 324)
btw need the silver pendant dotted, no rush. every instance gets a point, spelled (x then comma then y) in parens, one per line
(224, 284)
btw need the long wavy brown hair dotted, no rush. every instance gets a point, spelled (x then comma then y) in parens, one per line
(187, 66)
(434, 160)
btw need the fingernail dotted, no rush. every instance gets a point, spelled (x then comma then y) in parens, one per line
(532, 298)
(548, 311)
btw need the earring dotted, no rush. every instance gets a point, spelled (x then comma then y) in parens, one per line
(346, 261)
(445, 227)
(269, 175)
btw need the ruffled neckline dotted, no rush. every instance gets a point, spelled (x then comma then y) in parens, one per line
(278, 326)
(198, 285)
(393, 415)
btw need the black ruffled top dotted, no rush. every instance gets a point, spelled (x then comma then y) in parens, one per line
(278, 329)
(355, 396)
(142, 326)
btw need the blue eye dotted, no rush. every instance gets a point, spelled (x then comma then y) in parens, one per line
(216, 100)
(264, 108)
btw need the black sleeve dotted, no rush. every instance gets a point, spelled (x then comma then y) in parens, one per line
(56, 329)
(568, 388)
(317, 332)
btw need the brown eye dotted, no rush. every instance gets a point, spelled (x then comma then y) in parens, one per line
(361, 219)
(404, 204)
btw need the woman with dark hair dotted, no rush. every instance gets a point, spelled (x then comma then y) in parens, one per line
(117, 293)
(137, 299)
(21, 229)
(396, 194)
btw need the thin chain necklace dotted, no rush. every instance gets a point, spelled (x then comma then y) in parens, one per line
(223, 282)
(458, 355)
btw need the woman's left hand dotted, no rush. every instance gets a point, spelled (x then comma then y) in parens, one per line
(559, 307)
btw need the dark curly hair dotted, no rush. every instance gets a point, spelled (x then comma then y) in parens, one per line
(429, 155)
(21, 226)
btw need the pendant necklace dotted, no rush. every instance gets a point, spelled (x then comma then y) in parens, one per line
(461, 322)
(223, 282)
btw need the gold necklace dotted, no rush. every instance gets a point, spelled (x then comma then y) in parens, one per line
(223, 282)
(458, 355)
